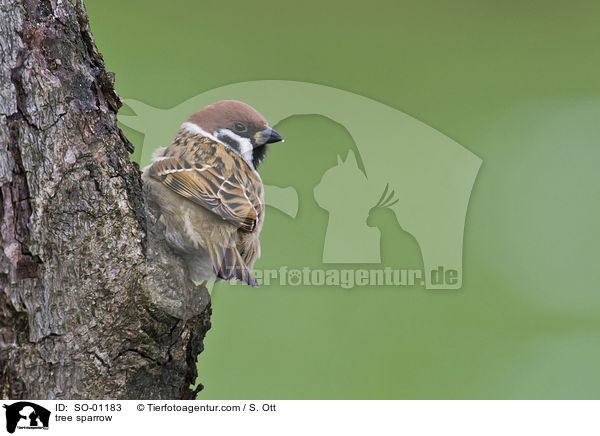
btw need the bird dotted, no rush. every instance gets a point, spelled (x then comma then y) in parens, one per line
(209, 194)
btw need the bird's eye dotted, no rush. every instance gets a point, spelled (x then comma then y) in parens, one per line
(240, 127)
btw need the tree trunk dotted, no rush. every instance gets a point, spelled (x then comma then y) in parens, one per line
(93, 304)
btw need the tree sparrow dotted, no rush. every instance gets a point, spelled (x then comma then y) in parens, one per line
(208, 191)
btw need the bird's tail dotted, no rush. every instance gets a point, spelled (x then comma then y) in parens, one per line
(228, 265)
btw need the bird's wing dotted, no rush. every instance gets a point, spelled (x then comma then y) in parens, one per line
(226, 193)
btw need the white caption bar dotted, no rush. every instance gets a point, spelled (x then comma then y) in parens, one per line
(265, 418)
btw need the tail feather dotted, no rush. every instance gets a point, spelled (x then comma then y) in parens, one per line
(228, 264)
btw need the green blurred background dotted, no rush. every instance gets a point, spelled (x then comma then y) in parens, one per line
(514, 82)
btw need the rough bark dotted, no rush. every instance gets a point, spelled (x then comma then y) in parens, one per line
(92, 303)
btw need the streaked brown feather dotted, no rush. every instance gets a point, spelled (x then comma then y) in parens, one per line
(223, 192)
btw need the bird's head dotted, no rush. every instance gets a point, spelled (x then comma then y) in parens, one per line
(239, 126)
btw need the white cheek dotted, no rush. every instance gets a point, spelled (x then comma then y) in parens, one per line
(244, 143)
(246, 149)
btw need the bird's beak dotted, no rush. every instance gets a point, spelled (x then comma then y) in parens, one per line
(267, 136)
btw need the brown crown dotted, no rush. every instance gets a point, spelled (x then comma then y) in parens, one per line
(226, 113)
